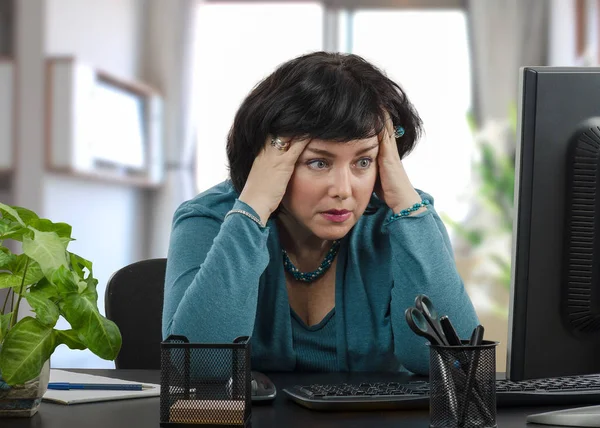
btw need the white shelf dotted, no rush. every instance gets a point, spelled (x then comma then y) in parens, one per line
(99, 126)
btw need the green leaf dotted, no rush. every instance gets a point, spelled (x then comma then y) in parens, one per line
(27, 346)
(473, 236)
(64, 279)
(5, 225)
(17, 233)
(79, 263)
(75, 265)
(17, 269)
(8, 280)
(70, 338)
(503, 263)
(11, 213)
(471, 122)
(47, 249)
(45, 310)
(82, 285)
(45, 289)
(100, 335)
(4, 323)
(10, 229)
(73, 279)
(63, 230)
(6, 258)
(26, 215)
(90, 292)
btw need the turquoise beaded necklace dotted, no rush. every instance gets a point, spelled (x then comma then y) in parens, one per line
(316, 274)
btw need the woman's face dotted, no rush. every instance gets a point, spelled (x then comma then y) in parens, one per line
(331, 185)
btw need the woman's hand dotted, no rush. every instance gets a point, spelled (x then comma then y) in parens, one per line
(394, 187)
(270, 175)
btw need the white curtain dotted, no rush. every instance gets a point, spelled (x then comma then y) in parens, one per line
(169, 66)
(504, 35)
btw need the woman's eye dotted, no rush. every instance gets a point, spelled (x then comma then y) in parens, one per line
(364, 163)
(317, 164)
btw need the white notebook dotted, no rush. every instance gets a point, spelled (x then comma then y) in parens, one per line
(75, 396)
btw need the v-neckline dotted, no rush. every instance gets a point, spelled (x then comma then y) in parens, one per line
(338, 272)
(314, 327)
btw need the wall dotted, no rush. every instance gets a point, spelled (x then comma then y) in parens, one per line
(106, 33)
(562, 33)
(5, 195)
(107, 219)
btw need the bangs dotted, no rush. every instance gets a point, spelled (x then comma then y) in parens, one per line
(335, 108)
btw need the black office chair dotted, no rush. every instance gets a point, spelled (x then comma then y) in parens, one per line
(133, 300)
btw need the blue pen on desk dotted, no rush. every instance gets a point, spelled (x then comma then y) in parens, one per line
(98, 386)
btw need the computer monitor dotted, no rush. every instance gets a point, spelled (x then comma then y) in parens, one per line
(554, 314)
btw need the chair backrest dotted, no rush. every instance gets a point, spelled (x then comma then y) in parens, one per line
(133, 300)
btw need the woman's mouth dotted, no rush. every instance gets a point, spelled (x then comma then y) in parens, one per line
(337, 216)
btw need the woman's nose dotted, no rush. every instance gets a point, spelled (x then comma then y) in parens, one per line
(341, 186)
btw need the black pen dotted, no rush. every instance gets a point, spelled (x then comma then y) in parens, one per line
(477, 336)
(450, 332)
(476, 340)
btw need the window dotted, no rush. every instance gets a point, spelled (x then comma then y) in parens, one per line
(433, 67)
(237, 46)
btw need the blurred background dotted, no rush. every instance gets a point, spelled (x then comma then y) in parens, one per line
(113, 112)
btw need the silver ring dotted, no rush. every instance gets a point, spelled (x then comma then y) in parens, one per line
(280, 145)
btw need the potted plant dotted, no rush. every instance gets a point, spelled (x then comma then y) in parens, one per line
(54, 282)
(485, 234)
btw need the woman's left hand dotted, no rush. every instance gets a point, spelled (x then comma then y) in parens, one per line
(393, 185)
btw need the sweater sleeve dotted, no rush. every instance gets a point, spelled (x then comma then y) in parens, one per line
(423, 263)
(213, 272)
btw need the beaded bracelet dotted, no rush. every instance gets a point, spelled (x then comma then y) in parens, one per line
(415, 207)
(247, 214)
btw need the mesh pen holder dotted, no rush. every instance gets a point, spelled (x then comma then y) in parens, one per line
(462, 381)
(205, 384)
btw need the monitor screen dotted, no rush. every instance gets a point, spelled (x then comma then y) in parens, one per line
(554, 314)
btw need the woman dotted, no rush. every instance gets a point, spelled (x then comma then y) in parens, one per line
(318, 243)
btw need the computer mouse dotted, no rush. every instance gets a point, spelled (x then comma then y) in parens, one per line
(262, 387)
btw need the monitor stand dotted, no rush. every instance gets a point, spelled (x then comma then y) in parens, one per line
(577, 417)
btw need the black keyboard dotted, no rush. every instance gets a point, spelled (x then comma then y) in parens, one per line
(576, 390)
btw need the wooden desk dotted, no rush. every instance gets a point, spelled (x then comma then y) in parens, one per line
(280, 413)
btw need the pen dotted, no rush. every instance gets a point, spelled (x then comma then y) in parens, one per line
(98, 386)
(476, 340)
(450, 332)
(477, 336)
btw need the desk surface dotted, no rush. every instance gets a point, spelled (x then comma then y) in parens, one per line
(282, 412)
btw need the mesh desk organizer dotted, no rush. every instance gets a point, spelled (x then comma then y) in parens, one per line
(462, 383)
(204, 384)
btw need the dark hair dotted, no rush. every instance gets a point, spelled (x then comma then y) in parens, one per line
(329, 96)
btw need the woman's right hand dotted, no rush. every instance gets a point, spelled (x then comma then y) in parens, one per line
(270, 175)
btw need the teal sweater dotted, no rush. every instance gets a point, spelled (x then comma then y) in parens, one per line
(225, 278)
